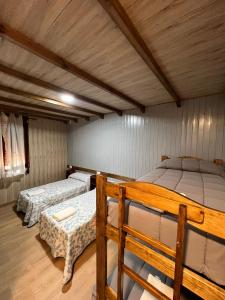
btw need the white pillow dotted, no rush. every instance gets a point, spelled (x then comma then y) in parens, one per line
(211, 168)
(171, 163)
(84, 177)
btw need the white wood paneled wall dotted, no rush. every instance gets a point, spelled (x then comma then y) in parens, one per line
(133, 144)
(48, 158)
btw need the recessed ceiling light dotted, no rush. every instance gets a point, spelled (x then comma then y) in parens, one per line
(51, 101)
(67, 98)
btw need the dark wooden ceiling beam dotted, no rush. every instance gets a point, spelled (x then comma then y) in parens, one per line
(20, 110)
(39, 82)
(45, 108)
(123, 21)
(39, 98)
(48, 55)
(22, 76)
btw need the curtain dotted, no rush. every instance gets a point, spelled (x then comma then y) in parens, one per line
(13, 152)
(2, 166)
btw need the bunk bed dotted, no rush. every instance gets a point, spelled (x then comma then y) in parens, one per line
(33, 201)
(166, 204)
(199, 180)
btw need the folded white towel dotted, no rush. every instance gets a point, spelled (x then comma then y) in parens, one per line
(64, 214)
(35, 192)
(159, 285)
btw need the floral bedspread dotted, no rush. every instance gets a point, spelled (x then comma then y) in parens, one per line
(69, 238)
(54, 193)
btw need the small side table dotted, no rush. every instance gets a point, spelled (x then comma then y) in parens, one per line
(93, 182)
(69, 172)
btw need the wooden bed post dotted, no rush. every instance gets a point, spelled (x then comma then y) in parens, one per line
(178, 276)
(101, 240)
(121, 244)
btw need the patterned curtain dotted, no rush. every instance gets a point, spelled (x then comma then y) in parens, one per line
(12, 153)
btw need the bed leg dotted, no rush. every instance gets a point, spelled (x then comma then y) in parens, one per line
(101, 240)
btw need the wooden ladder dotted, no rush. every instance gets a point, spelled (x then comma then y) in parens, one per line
(178, 254)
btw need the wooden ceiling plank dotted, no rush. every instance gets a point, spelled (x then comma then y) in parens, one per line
(48, 85)
(50, 109)
(40, 98)
(123, 21)
(12, 109)
(48, 55)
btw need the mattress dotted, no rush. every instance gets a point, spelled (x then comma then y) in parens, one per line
(69, 238)
(206, 185)
(50, 194)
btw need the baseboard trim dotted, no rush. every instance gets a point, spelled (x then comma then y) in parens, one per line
(8, 203)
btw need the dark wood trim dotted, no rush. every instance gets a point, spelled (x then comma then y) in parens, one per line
(110, 175)
(48, 117)
(4, 150)
(48, 55)
(50, 86)
(26, 143)
(123, 21)
(83, 169)
(33, 113)
(46, 108)
(120, 177)
(43, 99)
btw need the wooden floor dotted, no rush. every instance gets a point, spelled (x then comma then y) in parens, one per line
(28, 271)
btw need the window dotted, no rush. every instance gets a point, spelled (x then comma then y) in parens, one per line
(14, 140)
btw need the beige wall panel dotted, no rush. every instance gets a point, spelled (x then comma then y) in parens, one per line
(132, 145)
(48, 157)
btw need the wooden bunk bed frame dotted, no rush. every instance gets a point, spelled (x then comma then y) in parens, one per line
(150, 195)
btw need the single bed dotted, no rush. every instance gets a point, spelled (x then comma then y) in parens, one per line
(69, 237)
(33, 201)
(199, 180)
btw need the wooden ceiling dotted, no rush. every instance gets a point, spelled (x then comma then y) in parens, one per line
(110, 55)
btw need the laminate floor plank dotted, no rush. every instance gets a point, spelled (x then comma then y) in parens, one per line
(29, 272)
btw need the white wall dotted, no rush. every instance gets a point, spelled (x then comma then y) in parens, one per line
(132, 145)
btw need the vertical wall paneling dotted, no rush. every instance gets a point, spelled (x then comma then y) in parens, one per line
(48, 157)
(132, 145)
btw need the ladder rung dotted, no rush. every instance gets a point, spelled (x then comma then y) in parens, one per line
(110, 293)
(144, 283)
(149, 240)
